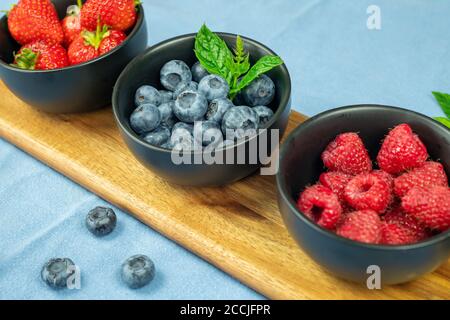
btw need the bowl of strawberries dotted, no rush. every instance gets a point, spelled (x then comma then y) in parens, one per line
(64, 56)
(364, 190)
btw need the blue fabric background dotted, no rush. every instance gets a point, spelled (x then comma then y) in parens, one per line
(334, 60)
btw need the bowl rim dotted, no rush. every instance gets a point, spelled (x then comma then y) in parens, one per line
(137, 60)
(139, 23)
(286, 197)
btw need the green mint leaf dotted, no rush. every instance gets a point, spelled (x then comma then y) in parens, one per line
(241, 58)
(444, 121)
(444, 102)
(264, 65)
(214, 54)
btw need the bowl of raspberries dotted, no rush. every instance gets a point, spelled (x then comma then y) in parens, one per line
(195, 120)
(367, 186)
(64, 56)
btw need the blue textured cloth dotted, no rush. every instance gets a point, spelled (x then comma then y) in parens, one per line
(334, 60)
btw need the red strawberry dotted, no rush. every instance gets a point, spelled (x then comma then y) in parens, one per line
(72, 23)
(113, 39)
(399, 228)
(363, 226)
(431, 206)
(39, 55)
(321, 205)
(401, 150)
(118, 14)
(347, 154)
(32, 20)
(369, 192)
(336, 182)
(428, 175)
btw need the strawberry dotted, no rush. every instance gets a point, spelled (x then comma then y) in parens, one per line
(431, 206)
(71, 24)
(347, 154)
(321, 205)
(401, 150)
(111, 40)
(336, 182)
(32, 20)
(363, 226)
(399, 228)
(117, 14)
(369, 191)
(40, 55)
(428, 175)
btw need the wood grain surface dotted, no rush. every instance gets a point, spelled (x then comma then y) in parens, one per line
(238, 228)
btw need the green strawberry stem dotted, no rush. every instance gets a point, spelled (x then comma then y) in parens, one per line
(79, 4)
(95, 38)
(26, 59)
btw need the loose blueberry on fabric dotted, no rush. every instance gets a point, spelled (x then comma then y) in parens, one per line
(158, 137)
(190, 106)
(147, 95)
(56, 272)
(138, 271)
(213, 87)
(198, 72)
(173, 73)
(241, 120)
(101, 221)
(185, 86)
(260, 92)
(208, 133)
(265, 114)
(145, 118)
(217, 108)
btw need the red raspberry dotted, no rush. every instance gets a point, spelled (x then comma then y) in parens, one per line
(369, 192)
(431, 206)
(428, 175)
(401, 150)
(336, 182)
(363, 226)
(399, 228)
(347, 154)
(321, 205)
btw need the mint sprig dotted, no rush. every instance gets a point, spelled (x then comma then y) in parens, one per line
(444, 101)
(215, 56)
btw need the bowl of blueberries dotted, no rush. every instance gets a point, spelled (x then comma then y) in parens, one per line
(200, 109)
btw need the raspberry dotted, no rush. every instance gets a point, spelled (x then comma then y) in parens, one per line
(336, 182)
(428, 175)
(321, 205)
(431, 206)
(399, 228)
(369, 192)
(401, 150)
(347, 154)
(363, 226)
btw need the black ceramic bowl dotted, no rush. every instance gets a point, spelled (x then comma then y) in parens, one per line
(79, 88)
(145, 69)
(301, 165)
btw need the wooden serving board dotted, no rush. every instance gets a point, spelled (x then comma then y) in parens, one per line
(238, 228)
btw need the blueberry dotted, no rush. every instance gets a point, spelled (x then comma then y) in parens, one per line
(145, 118)
(167, 116)
(217, 108)
(56, 272)
(147, 95)
(239, 100)
(265, 114)
(166, 96)
(213, 87)
(225, 144)
(138, 271)
(207, 133)
(185, 86)
(174, 72)
(182, 136)
(101, 221)
(158, 137)
(198, 72)
(190, 106)
(241, 120)
(260, 92)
